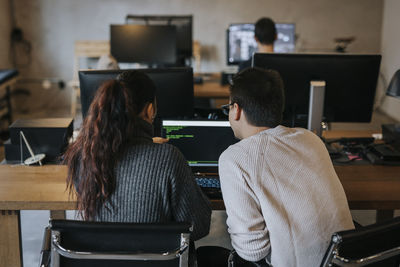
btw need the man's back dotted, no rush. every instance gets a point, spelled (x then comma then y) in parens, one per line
(282, 197)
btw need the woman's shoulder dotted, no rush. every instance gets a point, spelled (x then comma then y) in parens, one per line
(162, 151)
(172, 151)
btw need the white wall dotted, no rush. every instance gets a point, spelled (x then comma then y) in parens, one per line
(391, 52)
(54, 25)
(5, 29)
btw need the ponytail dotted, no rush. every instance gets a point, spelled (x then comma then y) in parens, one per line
(105, 133)
(92, 157)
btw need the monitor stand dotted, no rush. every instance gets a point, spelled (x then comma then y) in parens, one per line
(316, 107)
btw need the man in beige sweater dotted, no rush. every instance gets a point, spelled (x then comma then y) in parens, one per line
(282, 195)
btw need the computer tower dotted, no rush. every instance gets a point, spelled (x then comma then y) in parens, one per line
(49, 136)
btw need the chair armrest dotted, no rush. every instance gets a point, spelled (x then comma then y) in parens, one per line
(46, 248)
(167, 255)
(341, 261)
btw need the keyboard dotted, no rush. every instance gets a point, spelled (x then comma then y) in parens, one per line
(207, 181)
(210, 186)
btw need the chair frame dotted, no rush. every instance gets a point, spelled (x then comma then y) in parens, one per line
(342, 261)
(373, 233)
(52, 247)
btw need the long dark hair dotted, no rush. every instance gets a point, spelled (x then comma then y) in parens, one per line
(105, 132)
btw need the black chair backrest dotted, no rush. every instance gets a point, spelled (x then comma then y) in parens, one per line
(118, 237)
(381, 240)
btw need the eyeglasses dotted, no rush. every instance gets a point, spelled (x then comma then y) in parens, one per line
(226, 108)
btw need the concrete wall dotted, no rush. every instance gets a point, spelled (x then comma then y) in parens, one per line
(391, 53)
(5, 29)
(54, 25)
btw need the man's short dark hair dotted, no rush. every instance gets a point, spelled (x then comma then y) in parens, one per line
(259, 93)
(265, 31)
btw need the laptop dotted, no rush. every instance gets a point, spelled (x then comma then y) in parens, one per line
(201, 143)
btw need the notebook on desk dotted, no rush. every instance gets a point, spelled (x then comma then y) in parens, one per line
(201, 143)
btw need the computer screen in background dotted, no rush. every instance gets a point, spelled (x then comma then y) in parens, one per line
(241, 44)
(147, 44)
(183, 25)
(350, 84)
(201, 142)
(174, 89)
(286, 39)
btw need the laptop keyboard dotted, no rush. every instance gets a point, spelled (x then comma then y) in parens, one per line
(208, 181)
(210, 186)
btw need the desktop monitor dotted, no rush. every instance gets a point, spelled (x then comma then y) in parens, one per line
(174, 89)
(201, 142)
(241, 44)
(183, 25)
(350, 84)
(147, 44)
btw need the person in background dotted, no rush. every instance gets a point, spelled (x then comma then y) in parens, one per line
(120, 174)
(282, 195)
(265, 35)
(107, 62)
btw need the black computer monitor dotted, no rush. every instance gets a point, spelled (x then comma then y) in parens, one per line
(174, 89)
(147, 44)
(201, 142)
(350, 84)
(241, 44)
(183, 24)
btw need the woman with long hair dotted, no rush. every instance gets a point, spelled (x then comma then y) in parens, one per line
(119, 174)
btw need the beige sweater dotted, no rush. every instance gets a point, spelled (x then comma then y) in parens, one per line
(283, 197)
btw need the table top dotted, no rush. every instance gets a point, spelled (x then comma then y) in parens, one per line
(348, 133)
(34, 188)
(211, 89)
(44, 188)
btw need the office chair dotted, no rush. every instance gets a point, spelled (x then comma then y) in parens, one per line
(372, 245)
(79, 243)
(235, 260)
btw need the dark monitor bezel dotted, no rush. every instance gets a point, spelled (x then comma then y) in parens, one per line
(87, 99)
(183, 50)
(333, 112)
(149, 50)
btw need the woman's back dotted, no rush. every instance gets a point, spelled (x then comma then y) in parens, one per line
(155, 184)
(119, 174)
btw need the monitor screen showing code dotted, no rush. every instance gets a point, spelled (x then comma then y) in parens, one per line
(201, 142)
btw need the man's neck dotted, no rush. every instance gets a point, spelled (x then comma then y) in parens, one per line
(263, 48)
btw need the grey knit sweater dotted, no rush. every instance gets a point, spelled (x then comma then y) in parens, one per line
(155, 184)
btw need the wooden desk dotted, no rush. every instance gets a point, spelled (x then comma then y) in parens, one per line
(27, 188)
(211, 89)
(367, 187)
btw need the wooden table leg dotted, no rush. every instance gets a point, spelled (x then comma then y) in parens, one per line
(58, 214)
(10, 238)
(384, 215)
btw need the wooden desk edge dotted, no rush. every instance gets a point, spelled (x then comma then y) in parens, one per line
(21, 205)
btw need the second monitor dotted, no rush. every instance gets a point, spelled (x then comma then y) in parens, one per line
(174, 89)
(147, 44)
(350, 79)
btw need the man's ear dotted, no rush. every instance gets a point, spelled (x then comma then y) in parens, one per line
(237, 112)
